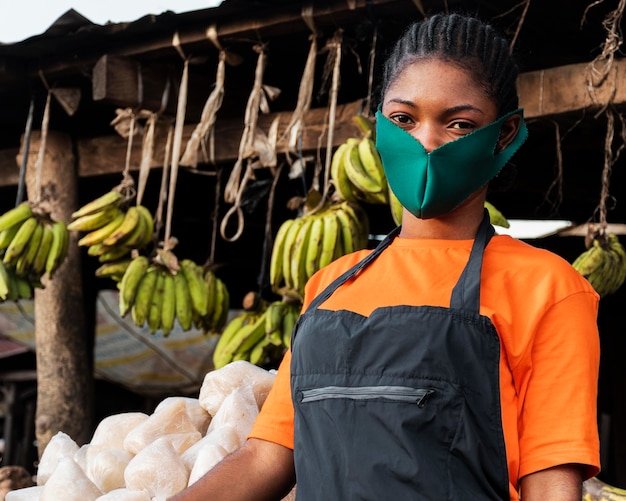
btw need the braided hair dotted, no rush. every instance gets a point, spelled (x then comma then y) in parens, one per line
(462, 40)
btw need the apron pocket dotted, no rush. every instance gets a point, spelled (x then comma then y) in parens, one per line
(419, 396)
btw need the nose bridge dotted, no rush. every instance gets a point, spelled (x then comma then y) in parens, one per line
(427, 134)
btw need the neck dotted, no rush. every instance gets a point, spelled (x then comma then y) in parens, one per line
(460, 224)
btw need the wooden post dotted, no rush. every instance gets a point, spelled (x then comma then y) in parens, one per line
(63, 354)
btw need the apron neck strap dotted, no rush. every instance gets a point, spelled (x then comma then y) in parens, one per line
(466, 293)
(326, 293)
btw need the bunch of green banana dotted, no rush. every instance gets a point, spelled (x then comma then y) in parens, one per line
(357, 172)
(110, 229)
(603, 264)
(12, 287)
(31, 243)
(259, 335)
(158, 296)
(306, 244)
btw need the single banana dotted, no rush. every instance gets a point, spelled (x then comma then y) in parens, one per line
(330, 238)
(342, 183)
(395, 207)
(168, 305)
(58, 248)
(360, 219)
(366, 126)
(143, 298)
(356, 171)
(258, 353)
(126, 229)
(372, 163)
(290, 239)
(148, 231)
(24, 263)
(184, 308)
(276, 259)
(137, 235)
(220, 314)
(111, 199)
(197, 285)
(114, 270)
(24, 289)
(289, 322)
(93, 221)
(4, 282)
(130, 283)
(101, 234)
(113, 253)
(298, 254)
(313, 250)
(6, 236)
(220, 356)
(20, 241)
(39, 263)
(248, 336)
(154, 313)
(211, 295)
(16, 215)
(274, 317)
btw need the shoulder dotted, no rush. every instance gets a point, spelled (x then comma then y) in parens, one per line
(517, 260)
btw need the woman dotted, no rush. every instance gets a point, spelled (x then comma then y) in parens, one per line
(449, 363)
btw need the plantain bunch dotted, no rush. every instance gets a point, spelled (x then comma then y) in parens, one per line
(260, 334)
(305, 244)
(111, 228)
(158, 295)
(32, 244)
(603, 264)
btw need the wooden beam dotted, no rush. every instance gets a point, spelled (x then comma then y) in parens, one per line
(544, 93)
(565, 89)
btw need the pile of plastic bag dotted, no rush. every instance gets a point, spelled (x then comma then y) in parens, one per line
(134, 456)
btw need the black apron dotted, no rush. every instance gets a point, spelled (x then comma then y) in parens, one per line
(403, 404)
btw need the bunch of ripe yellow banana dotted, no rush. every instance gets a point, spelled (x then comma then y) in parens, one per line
(111, 229)
(31, 245)
(357, 172)
(260, 335)
(603, 264)
(307, 243)
(158, 296)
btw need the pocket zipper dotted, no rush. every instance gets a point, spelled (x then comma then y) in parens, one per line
(396, 393)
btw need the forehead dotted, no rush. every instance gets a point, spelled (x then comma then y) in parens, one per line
(435, 78)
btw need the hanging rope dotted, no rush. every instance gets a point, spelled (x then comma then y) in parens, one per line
(167, 155)
(45, 123)
(177, 139)
(334, 62)
(208, 117)
(147, 151)
(21, 187)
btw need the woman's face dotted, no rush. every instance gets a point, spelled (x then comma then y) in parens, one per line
(437, 102)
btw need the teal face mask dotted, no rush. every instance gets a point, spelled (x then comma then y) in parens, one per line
(432, 184)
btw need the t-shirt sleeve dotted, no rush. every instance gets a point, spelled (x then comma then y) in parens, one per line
(558, 389)
(275, 420)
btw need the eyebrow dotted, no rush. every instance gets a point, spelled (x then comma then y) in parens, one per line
(454, 109)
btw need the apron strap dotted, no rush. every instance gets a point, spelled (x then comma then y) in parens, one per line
(327, 292)
(466, 293)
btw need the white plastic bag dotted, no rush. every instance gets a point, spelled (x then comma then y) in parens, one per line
(60, 446)
(69, 483)
(220, 383)
(157, 470)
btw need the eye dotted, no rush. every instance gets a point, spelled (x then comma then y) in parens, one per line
(462, 125)
(401, 119)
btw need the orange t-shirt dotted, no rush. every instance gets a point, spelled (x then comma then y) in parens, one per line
(544, 312)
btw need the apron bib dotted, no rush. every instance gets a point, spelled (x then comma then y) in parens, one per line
(403, 404)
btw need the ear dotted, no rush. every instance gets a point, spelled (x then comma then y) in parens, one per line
(509, 130)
